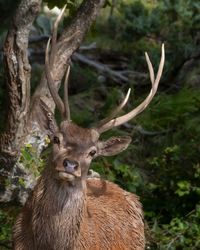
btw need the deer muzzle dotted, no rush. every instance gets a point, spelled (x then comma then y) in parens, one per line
(69, 169)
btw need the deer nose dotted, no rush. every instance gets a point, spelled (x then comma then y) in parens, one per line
(70, 165)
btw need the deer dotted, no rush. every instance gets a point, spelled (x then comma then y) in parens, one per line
(69, 209)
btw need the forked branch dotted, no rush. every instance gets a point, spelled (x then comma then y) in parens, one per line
(69, 41)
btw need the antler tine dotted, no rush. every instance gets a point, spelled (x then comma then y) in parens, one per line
(122, 119)
(54, 35)
(66, 99)
(51, 84)
(150, 67)
(115, 111)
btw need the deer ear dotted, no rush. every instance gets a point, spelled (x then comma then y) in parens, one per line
(113, 146)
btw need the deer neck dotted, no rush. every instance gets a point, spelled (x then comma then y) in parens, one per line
(60, 207)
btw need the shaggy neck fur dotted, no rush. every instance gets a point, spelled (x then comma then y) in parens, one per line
(58, 213)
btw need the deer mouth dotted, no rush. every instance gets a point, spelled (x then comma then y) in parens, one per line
(63, 175)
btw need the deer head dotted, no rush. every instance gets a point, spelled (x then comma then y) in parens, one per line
(74, 147)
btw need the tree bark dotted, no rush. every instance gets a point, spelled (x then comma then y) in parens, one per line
(17, 72)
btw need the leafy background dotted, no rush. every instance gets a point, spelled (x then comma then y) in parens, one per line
(162, 165)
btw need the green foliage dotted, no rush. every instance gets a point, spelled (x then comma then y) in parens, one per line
(140, 26)
(7, 218)
(137, 25)
(178, 23)
(180, 233)
(176, 111)
(5, 230)
(175, 157)
(171, 183)
(116, 171)
(30, 159)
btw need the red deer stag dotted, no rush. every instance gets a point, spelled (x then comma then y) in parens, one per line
(67, 210)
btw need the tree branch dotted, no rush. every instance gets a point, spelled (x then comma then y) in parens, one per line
(116, 76)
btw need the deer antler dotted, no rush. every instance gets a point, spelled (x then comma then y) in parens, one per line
(115, 111)
(110, 121)
(125, 118)
(54, 35)
(62, 107)
(66, 99)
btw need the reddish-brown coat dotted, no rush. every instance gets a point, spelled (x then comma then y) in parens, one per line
(106, 217)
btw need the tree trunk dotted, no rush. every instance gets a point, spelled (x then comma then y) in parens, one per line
(17, 72)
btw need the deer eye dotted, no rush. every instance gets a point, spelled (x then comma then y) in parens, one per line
(56, 140)
(92, 152)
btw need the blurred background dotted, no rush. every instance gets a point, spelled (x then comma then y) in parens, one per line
(162, 165)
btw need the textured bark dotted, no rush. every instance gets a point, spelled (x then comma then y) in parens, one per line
(17, 70)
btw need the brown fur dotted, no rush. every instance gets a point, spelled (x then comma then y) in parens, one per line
(84, 214)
